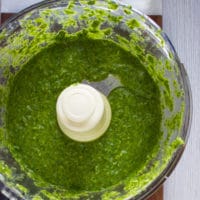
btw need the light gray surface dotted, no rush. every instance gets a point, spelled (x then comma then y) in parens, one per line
(149, 7)
(181, 21)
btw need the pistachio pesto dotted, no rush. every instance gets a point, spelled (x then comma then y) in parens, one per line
(88, 43)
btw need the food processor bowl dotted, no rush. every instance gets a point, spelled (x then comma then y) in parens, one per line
(37, 27)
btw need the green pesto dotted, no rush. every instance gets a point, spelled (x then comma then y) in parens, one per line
(5, 169)
(112, 5)
(68, 55)
(133, 23)
(133, 133)
(127, 11)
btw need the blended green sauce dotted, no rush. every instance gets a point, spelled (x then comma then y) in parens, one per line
(54, 48)
(36, 138)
